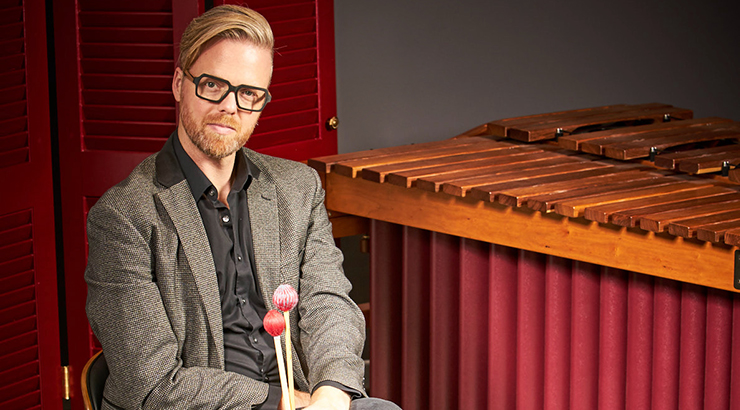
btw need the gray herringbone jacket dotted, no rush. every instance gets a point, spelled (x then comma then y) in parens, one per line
(153, 299)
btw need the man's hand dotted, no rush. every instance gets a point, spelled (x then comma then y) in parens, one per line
(301, 400)
(329, 398)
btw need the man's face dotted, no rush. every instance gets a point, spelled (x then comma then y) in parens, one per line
(220, 129)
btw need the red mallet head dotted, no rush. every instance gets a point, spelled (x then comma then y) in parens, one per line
(274, 323)
(285, 297)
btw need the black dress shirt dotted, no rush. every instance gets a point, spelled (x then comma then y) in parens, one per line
(248, 348)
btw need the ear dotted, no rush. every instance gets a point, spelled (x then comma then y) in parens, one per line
(177, 84)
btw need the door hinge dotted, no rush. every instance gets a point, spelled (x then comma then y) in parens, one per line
(365, 244)
(65, 380)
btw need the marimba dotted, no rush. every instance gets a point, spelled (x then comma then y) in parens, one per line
(488, 165)
(577, 259)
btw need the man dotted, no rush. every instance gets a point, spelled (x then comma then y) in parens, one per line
(185, 253)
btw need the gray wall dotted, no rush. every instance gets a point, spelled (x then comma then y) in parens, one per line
(416, 71)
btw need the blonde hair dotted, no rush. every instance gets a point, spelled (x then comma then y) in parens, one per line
(223, 22)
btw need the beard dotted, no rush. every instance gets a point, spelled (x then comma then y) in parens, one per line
(211, 143)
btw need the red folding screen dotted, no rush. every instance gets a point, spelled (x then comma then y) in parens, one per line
(463, 324)
(30, 366)
(113, 66)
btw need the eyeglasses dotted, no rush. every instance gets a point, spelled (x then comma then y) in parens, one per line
(214, 89)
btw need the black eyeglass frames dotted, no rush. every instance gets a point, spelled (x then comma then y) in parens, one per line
(214, 89)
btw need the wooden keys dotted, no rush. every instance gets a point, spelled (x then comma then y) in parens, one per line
(570, 177)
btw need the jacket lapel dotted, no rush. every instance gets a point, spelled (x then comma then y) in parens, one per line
(263, 216)
(179, 203)
(177, 200)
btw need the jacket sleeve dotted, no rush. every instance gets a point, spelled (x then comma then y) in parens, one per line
(332, 327)
(127, 314)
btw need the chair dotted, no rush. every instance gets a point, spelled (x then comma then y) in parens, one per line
(94, 375)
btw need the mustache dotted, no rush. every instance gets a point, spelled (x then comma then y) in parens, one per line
(222, 119)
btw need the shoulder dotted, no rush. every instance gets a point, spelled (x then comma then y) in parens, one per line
(283, 171)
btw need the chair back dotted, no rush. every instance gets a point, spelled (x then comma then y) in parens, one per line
(94, 375)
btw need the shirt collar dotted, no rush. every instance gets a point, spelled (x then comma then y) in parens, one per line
(199, 182)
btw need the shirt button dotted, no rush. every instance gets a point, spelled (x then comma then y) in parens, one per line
(226, 218)
(255, 340)
(244, 301)
(238, 257)
(211, 192)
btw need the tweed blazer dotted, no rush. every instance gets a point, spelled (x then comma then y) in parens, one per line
(153, 299)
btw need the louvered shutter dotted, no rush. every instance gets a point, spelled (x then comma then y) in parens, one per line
(114, 62)
(29, 329)
(126, 60)
(303, 85)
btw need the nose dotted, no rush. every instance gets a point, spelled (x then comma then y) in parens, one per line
(228, 104)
